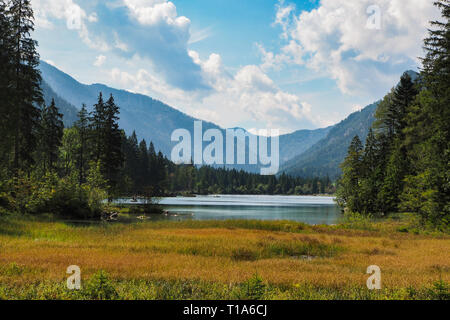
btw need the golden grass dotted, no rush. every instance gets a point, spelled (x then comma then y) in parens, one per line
(282, 253)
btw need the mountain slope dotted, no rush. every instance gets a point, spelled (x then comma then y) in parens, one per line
(153, 120)
(69, 112)
(325, 156)
(296, 143)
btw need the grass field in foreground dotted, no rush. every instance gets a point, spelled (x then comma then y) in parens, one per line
(220, 260)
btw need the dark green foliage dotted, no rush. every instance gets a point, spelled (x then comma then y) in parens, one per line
(253, 289)
(349, 184)
(82, 128)
(100, 287)
(106, 140)
(407, 158)
(20, 110)
(51, 134)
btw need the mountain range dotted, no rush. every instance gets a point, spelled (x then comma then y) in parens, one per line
(302, 153)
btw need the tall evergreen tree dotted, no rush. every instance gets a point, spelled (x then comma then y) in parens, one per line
(404, 95)
(82, 125)
(25, 84)
(348, 193)
(52, 130)
(111, 156)
(427, 189)
(144, 163)
(97, 130)
(5, 94)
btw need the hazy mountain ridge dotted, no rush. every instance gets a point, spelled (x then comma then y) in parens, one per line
(325, 156)
(302, 153)
(151, 119)
(68, 110)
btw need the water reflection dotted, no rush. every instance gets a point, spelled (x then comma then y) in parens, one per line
(307, 209)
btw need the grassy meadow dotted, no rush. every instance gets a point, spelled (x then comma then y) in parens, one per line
(221, 260)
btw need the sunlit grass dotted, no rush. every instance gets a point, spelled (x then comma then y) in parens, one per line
(290, 257)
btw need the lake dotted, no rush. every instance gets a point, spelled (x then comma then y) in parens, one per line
(307, 209)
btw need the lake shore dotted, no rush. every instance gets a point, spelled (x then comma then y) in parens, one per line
(306, 209)
(218, 260)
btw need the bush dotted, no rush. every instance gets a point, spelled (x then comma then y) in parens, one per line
(253, 289)
(439, 291)
(99, 287)
(354, 220)
(50, 194)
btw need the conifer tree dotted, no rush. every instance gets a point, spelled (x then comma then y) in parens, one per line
(82, 125)
(427, 189)
(26, 94)
(144, 163)
(97, 129)
(52, 130)
(111, 155)
(348, 193)
(5, 94)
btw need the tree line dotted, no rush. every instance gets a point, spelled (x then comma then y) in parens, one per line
(404, 165)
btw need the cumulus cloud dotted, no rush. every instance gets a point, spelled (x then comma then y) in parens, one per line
(248, 97)
(99, 61)
(162, 36)
(335, 38)
(152, 42)
(151, 29)
(74, 16)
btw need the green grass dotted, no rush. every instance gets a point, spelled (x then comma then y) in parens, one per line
(101, 287)
(236, 259)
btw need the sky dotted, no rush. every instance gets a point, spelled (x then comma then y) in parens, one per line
(272, 64)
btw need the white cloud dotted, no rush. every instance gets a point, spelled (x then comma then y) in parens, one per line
(99, 61)
(248, 97)
(334, 38)
(200, 35)
(153, 47)
(93, 17)
(74, 16)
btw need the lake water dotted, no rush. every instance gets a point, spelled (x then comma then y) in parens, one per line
(307, 209)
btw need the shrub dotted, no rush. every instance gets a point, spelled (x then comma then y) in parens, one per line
(439, 291)
(49, 194)
(252, 289)
(99, 287)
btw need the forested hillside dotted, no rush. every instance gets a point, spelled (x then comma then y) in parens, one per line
(324, 157)
(404, 164)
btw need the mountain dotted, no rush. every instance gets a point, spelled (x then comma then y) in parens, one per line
(298, 142)
(151, 119)
(302, 153)
(68, 110)
(324, 157)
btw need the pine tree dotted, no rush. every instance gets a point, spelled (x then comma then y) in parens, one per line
(427, 189)
(372, 173)
(82, 125)
(404, 95)
(97, 129)
(131, 162)
(26, 93)
(52, 130)
(143, 166)
(348, 193)
(111, 155)
(5, 94)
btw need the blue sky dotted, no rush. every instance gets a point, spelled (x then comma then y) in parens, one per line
(284, 65)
